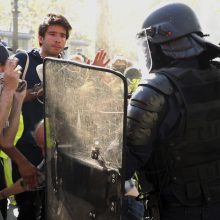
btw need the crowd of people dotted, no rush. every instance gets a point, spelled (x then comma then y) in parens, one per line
(24, 106)
(172, 153)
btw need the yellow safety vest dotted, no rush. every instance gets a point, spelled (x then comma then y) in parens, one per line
(6, 159)
(133, 85)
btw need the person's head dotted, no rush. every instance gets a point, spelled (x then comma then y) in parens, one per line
(53, 34)
(172, 32)
(3, 57)
(10, 50)
(77, 57)
(132, 73)
(119, 63)
(133, 76)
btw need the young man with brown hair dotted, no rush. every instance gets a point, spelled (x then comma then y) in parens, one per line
(53, 33)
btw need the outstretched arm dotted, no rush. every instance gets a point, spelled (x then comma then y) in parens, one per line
(11, 78)
(12, 190)
(100, 59)
(28, 171)
(9, 132)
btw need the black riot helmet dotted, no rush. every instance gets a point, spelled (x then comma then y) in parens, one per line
(169, 32)
(170, 22)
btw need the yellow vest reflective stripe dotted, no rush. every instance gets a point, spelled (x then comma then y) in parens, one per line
(6, 159)
(133, 85)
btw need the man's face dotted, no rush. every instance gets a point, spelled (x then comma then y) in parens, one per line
(53, 42)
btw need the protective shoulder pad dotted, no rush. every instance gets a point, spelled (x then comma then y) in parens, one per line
(159, 82)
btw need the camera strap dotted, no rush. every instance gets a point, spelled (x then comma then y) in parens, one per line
(26, 67)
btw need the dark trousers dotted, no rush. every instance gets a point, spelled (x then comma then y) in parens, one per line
(133, 209)
(31, 205)
(3, 208)
(3, 203)
(211, 212)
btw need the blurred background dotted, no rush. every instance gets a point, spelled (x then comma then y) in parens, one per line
(108, 24)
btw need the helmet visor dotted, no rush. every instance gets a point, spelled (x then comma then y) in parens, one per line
(144, 55)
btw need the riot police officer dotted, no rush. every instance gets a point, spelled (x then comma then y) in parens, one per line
(173, 131)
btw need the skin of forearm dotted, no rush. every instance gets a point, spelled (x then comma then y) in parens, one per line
(12, 190)
(14, 154)
(10, 132)
(6, 99)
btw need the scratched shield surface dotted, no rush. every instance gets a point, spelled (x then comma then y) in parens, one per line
(85, 110)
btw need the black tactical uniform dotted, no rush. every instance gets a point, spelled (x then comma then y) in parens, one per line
(173, 132)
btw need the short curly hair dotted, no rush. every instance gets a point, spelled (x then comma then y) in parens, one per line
(54, 19)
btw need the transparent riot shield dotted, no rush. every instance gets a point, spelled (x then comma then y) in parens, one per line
(85, 121)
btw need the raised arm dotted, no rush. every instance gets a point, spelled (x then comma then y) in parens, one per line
(10, 81)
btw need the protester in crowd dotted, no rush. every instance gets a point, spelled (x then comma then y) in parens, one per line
(77, 57)
(133, 76)
(20, 186)
(12, 93)
(119, 63)
(53, 34)
(9, 49)
(100, 58)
